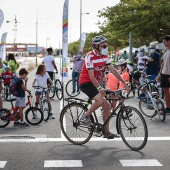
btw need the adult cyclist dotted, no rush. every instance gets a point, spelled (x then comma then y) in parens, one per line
(91, 77)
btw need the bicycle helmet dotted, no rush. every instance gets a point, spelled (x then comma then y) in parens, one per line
(7, 67)
(5, 62)
(98, 39)
(121, 62)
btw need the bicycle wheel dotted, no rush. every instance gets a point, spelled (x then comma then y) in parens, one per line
(59, 89)
(71, 126)
(131, 92)
(133, 129)
(161, 110)
(46, 109)
(69, 88)
(34, 116)
(51, 90)
(146, 107)
(4, 118)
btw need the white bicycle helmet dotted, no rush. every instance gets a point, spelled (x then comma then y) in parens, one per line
(98, 39)
(121, 62)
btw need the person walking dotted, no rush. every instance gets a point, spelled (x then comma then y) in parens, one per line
(49, 62)
(77, 66)
(164, 75)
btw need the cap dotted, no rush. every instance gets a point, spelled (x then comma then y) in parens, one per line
(49, 49)
(166, 37)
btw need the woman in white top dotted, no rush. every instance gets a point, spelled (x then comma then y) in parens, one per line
(40, 79)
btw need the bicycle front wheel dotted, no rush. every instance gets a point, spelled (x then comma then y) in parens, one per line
(71, 126)
(46, 109)
(69, 89)
(161, 110)
(4, 117)
(34, 115)
(133, 128)
(146, 107)
(59, 89)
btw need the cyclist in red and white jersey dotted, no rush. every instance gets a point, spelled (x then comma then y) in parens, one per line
(90, 79)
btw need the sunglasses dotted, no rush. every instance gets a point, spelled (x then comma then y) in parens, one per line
(104, 46)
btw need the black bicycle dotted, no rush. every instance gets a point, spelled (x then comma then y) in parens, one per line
(130, 123)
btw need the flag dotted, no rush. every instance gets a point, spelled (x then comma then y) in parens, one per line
(3, 46)
(83, 40)
(1, 17)
(65, 40)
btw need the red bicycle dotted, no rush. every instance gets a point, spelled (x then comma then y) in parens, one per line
(33, 115)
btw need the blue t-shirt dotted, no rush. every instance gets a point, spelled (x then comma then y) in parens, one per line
(21, 92)
(153, 67)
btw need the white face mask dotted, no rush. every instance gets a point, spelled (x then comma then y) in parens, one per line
(104, 51)
(141, 54)
(152, 50)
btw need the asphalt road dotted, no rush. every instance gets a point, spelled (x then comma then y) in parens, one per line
(44, 147)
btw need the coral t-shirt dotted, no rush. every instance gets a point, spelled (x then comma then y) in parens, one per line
(112, 82)
(125, 76)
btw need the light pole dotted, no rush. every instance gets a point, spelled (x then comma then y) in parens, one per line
(130, 41)
(81, 22)
(36, 63)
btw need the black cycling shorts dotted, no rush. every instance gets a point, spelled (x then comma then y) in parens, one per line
(89, 89)
(165, 80)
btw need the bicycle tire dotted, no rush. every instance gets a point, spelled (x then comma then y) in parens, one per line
(153, 89)
(68, 89)
(147, 109)
(161, 110)
(4, 118)
(32, 111)
(51, 90)
(59, 89)
(71, 126)
(130, 124)
(46, 109)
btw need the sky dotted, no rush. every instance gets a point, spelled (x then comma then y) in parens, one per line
(49, 20)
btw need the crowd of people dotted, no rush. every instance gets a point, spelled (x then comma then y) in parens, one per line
(91, 67)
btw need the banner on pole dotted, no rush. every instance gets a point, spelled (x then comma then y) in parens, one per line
(83, 40)
(65, 40)
(1, 17)
(3, 46)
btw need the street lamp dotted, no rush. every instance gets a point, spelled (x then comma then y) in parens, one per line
(81, 21)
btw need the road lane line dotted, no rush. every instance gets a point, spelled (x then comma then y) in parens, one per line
(140, 162)
(2, 164)
(63, 163)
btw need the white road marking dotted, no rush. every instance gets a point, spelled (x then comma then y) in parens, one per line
(140, 162)
(63, 163)
(2, 164)
(65, 140)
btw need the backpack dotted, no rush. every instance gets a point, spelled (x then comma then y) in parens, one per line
(13, 87)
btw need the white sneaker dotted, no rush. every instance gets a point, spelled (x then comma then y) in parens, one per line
(35, 116)
(51, 116)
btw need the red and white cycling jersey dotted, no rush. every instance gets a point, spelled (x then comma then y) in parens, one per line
(93, 61)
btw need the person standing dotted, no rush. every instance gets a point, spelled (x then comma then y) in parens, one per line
(13, 64)
(124, 55)
(77, 67)
(49, 62)
(164, 75)
(153, 63)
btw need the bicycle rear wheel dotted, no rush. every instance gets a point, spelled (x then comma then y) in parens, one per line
(34, 115)
(4, 117)
(133, 129)
(161, 110)
(69, 89)
(46, 109)
(71, 126)
(59, 89)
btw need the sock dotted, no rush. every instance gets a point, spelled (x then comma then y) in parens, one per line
(51, 112)
(22, 122)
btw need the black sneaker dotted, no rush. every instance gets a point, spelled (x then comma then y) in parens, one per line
(23, 124)
(16, 123)
(110, 135)
(73, 91)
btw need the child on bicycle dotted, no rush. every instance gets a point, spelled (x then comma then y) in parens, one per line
(6, 76)
(21, 87)
(41, 77)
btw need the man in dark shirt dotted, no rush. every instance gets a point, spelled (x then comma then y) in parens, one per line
(153, 63)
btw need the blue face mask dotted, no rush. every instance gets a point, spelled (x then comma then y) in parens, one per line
(79, 55)
(104, 51)
(152, 50)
